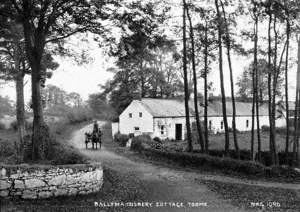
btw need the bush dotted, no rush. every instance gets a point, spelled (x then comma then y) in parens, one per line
(65, 154)
(265, 128)
(78, 114)
(14, 125)
(157, 139)
(283, 158)
(138, 141)
(226, 165)
(244, 154)
(2, 126)
(58, 127)
(7, 148)
(121, 139)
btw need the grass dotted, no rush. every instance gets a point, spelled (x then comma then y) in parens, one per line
(216, 142)
(7, 141)
(62, 132)
(255, 197)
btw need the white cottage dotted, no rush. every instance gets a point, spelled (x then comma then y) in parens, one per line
(165, 118)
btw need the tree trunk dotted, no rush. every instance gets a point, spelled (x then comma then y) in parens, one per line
(198, 123)
(286, 89)
(20, 111)
(34, 45)
(256, 89)
(296, 149)
(253, 116)
(274, 85)
(269, 88)
(206, 89)
(186, 86)
(236, 145)
(222, 78)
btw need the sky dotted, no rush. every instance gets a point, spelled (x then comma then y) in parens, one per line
(71, 76)
(85, 79)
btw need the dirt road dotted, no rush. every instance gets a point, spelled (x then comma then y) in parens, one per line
(163, 185)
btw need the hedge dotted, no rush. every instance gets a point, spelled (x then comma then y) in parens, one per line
(226, 165)
(121, 139)
(138, 141)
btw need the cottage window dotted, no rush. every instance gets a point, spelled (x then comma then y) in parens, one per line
(162, 129)
(247, 123)
(141, 114)
(222, 125)
(130, 115)
(136, 128)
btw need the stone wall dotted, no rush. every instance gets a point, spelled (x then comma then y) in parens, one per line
(43, 181)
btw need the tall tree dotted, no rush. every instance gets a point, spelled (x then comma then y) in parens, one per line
(220, 34)
(255, 66)
(196, 104)
(206, 32)
(288, 32)
(186, 86)
(296, 146)
(14, 67)
(228, 47)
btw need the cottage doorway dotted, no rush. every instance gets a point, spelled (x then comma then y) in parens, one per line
(178, 132)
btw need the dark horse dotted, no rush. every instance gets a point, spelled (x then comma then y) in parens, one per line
(94, 138)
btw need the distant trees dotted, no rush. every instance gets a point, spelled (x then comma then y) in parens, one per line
(6, 106)
(46, 22)
(56, 99)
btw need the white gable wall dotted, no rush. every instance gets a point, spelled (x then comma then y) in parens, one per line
(127, 125)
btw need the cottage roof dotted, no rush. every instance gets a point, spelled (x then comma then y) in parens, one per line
(164, 107)
(175, 108)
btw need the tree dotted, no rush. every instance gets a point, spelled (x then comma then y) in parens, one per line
(186, 86)
(100, 106)
(75, 99)
(228, 41)
(296, 146)
(146, 61)
(245, 81)
(220, 34)
(198, 123)
(6, 106)
(14, 67)
(45, 22)
(207, 37)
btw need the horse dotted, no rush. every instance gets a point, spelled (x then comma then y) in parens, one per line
(95, 138)
(88, 139)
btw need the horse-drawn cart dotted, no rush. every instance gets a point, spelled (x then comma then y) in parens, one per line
(94, 138)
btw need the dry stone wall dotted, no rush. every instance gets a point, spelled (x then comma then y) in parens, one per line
(39, 181)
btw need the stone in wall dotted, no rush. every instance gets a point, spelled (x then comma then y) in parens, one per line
(59, 180)
(34, 183)
(28, 194)
(19, 184)
(44, 194)
(4, 184)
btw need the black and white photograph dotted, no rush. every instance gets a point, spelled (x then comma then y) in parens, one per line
(149, 105)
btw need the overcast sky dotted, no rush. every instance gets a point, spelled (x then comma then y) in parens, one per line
(84, 79)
